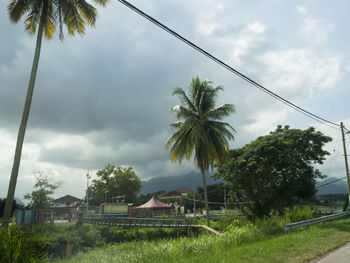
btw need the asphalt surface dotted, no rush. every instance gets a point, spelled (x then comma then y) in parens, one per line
(340, 255)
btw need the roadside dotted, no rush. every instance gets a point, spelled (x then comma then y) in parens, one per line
(338, 255)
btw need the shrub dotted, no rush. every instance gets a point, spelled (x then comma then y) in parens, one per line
(299, 213)
(21, 245)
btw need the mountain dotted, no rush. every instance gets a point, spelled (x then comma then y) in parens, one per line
(18, 201)
(338, 187)
(193, 180)
(168, 183)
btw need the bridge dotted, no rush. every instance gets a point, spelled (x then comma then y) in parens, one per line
(140, 222)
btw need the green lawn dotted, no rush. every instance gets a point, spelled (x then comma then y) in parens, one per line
(241, 244)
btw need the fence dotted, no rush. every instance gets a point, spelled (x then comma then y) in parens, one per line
(288, 227)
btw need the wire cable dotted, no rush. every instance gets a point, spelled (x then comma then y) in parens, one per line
(223, 64)
(322, 185)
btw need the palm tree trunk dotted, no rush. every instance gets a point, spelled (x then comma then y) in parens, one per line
(24, 121)
(205, 195)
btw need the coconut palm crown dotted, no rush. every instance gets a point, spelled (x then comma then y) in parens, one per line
(199, 130)
(75, 14)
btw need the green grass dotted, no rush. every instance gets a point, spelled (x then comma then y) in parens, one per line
(239, 244)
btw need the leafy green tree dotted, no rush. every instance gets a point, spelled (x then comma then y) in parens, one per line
(199, 129)
(41, 197)
(114, 182)
(42, 17)
(276, 170)
(216, 194)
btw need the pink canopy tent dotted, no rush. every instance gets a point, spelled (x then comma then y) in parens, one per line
(154, 203)
(152, 208)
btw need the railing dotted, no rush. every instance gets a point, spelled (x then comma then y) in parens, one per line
(140, 222)
(288, 227)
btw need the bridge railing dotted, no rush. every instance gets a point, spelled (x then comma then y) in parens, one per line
(140, 222)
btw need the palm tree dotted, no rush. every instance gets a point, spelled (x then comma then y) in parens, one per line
(199, 129)
(42, 17)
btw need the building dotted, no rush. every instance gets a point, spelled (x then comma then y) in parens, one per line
(65, 206)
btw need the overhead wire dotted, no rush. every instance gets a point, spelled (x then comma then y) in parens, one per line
(231, 69)
(322, 185)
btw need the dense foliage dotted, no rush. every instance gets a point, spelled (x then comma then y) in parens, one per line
(114, 182)
(199, 130)
(275, 170)
(21, 245)
(41, 197)
(241, 242)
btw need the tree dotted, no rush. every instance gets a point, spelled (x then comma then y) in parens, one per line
(43, 16)
(276, 170)
(199, 129)
(114, 182)
(41, 198)
(216, 194)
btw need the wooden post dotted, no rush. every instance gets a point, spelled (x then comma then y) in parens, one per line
(79, 224)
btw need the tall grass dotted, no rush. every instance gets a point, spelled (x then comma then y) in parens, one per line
(242, 241)
(20, 245)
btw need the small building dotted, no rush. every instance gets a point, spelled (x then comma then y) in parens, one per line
(178, 193)
(114, 209)
(151, 208)
(66, 206)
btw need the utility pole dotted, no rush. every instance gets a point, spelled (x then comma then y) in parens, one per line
(87, 192)
(345, 159)
(194, 203)
(225, 197)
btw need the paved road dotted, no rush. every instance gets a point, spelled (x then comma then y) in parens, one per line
(340, 255)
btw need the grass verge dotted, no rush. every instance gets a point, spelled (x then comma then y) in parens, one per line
(248, 244)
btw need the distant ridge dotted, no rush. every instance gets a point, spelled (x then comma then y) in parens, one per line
(193, 180)
(339, 187)
(168, 183)
(18, 201)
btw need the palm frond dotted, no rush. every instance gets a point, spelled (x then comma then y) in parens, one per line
(184, 99)
(222, 111)
(102, 3)
(33, 18)
(87, 11)
(17, 8)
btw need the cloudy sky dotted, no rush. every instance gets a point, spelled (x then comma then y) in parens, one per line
(106, 97)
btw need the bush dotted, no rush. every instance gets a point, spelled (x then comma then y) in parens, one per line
(21, 245)
(299, 213)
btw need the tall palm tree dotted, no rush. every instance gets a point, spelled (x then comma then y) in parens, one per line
(199, 130)
(42, 17)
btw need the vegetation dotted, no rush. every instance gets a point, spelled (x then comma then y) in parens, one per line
(199, 129)
(21, 245)
(114, 182)
(275, 171)
(41, 198)
(262, 242)
(43, 16)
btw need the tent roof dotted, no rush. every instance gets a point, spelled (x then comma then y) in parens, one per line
(154, 203)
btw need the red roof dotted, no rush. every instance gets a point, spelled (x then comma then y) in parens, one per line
(154, 203)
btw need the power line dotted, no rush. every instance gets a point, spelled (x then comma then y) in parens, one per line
(223, 64)
(322, 185)
(218, 203)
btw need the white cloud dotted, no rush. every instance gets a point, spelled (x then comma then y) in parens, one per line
(299, 72)
(301, 9)
(315, 31)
